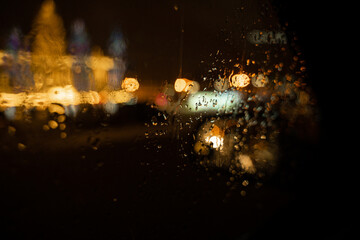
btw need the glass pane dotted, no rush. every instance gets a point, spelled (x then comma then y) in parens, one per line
(158, 119)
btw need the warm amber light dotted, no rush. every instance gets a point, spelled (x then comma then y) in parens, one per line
(246, 163)
(180, 84)
(49, 78)
(65, 95)
(215, 141)
(48, 49)
(214, 137)
(90, 97)
(62, 95)
(119, 96)
(186, 85)
(240, 80)
(130, 84)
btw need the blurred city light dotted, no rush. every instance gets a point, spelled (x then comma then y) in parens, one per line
(180, 84)
(240, 80)
(215, 141)
(48, 74)
(130, 84)
(186, 85)
(212, 102)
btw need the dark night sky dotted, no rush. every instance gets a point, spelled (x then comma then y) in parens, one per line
(151, 28)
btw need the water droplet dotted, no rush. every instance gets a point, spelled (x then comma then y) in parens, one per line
(146, 134)
(55, 108)
(62, 126)
(61, 118)
(46, 127)
(11, 130)
(53, 124)
(245, 183)
(21, 146)
(154, 121)
(94, 142)
(63, 135)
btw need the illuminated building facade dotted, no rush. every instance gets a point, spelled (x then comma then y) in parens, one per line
(46, 63)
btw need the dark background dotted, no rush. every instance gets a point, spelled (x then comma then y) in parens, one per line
(123, 191)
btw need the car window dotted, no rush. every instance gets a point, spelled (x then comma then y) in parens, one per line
(154, 119)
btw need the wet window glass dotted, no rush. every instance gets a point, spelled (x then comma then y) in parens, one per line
(156, 119)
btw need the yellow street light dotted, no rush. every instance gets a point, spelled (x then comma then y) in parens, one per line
(186, 85)
(130, 84)
(240, 80)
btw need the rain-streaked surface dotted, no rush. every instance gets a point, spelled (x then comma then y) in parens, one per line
(166, 120)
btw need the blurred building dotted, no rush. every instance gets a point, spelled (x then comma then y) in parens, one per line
(42, 61)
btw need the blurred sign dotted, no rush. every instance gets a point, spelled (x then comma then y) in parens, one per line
(212, 102)
(267, 37)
